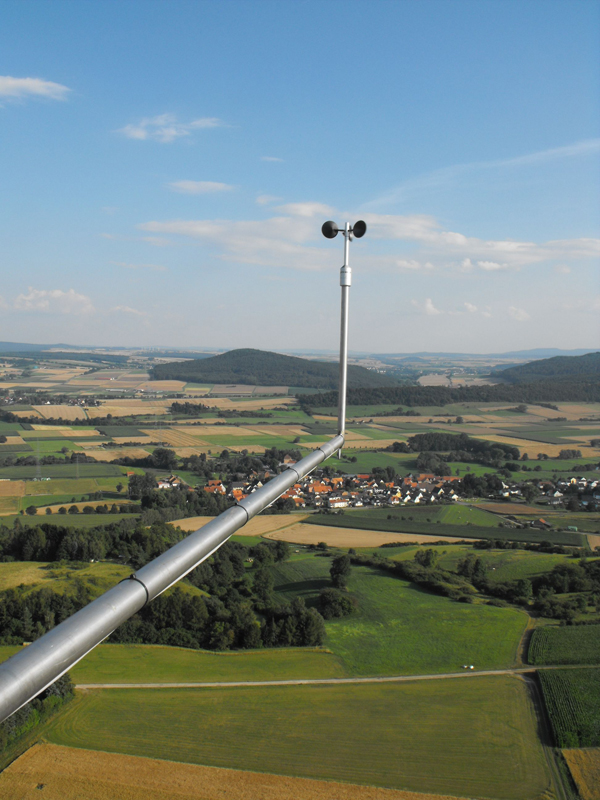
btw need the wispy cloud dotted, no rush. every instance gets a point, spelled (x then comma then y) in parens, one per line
(199, 187)
(427, 307)
(152, 267)
(128, 310)
(271, 158)
(293, 239)
(449, 176)
(165, 128)
(54, 301)
(20, 88)
(267, 199)
(519, 314)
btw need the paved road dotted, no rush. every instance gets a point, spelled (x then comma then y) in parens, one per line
(326, 681)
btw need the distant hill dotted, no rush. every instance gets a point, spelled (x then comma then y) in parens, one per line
(559, 368)
(262, 368)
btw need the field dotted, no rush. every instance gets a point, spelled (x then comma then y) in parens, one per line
(397, 628)
(579, 644)
(572, 698)
(481, 731)
(303, 533)
(120, 663)
(434, 522)
(61, 577)
(585, 769)
(68, 773)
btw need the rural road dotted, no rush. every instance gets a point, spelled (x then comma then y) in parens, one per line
(326, 681)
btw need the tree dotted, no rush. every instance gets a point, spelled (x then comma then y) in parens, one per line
(340, 571)
(48, 510)
(31, 510)
(263, 586)
(119, 487)
(426, 558)
(529, 492)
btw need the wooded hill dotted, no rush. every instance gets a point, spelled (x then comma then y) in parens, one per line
(262, 368)
(559, 368)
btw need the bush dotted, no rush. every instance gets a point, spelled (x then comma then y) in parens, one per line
(333, 603)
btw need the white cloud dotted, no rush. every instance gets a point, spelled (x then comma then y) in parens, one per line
(470, 308)
(427, 307)
(129, 310)
(3, 304)
(305, 209)
(19, 88)
(152, 267)
(166, 129)
(266, 199)
(562, 269)
(491, 266)
(199, 187)
(54, 301)
(157, 241)
(519, 314)
(271, 158)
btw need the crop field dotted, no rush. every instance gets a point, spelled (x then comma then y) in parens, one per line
(577, 644)
(423, 521)
(572, 698)
(83, 521)
(61, 412)
(469, 738)
(101, 454)
(397, 629)
(68, 773)
(584, 766)
(303, 533)
(257, 526)
(62, 471)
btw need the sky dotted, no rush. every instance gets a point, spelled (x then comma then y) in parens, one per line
(165, 169)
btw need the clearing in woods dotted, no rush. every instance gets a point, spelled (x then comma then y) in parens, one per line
(473, 738)
(67, 773)
(585, 769)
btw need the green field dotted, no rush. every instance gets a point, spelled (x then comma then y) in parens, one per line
(62, 577)
(577, 644)
(469, 738)
(146, 663)
(84, 521)
(97, 470)
(572, 698)
(429, 520)
(400, 629)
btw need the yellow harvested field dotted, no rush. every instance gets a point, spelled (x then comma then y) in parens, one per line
(141, 438)
(229, 430)
(73, 433)
(103, 454)
(552, 450)
(257, 526)
(63, 430)
(9, 505)
(593, 540)
(23, 414)
(58, 412)
(585, 769)
(348, 537)
(277, 430)
(68, 773)
(138, 409)
(12, 440)
(174, 437)
(12, 488)
(325, 417)
(258, 390)
(512, 508)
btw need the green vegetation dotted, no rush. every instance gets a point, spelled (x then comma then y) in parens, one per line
(69, 470)
(261, 368)
(396, 630)
(576, 644)
(467, 738)
(572, 698)
(62, 577)
(559, 367)
(142, 663)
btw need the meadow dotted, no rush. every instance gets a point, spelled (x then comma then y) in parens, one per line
(469, 738)
(145, 663)
(572, 698)
(577, 644)
(400, 629)
(62, 577)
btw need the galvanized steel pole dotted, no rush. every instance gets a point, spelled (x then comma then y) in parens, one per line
(345, 283)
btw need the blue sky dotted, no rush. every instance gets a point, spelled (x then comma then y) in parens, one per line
(166, 168)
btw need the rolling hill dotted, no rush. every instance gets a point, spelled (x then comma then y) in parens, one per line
(262, 368)
(576, 368)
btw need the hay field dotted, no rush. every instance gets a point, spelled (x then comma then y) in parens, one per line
(258, 390)
(593, 540)
(63, 430)
(102, 454)
(23, 414)
(12, 488)
(143, 440)
(162, 386)
(232, 388)
(64, 412)
(175, 437)
(585, 769)
(68, 773)
(135, 408)
(301, 533)
(551, 450)
(257, 526)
